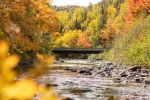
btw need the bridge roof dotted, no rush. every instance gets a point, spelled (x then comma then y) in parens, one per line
(78, 50)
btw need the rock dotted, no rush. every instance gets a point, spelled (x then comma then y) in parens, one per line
(134, 68)
(145, 71)
(147, 81)
(62, 61)
(98, 95)
(97, 59)
(86, 71)
(100, 73)
(26, 63)
(132, 74)
(103, 75)
(106, 69)
(72, 69)
(117, 80)
(124, 74)
(138, 80)
(67, 99)
(109, 74)
(80, 91)
(139, 70)
(102, 65)
(144, 75)
(114, 66)
(69, 83)
(99, 67)
(51, 85)
(68, 69)
(109, 63)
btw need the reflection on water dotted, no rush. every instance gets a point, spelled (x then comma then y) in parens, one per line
(107, 92)
(78, 91)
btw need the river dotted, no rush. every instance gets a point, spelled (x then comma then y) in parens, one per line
(90, 87)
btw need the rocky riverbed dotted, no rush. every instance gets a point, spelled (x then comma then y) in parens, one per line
(97, 80)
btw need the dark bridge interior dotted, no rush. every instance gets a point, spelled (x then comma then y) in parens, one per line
(77, 51)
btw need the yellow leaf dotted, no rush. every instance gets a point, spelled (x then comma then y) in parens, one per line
(50, 60)
(10, 62)
(39, 56)
(3, 48)
(24, 89)
(50, 96)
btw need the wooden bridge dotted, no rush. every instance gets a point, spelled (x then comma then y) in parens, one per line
(77, 51)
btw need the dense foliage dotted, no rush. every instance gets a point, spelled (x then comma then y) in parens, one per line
(95, 21)
(131, 28)
(23, 24)
(33, 26)
(86, 20)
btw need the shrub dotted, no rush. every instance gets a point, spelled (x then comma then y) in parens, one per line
(132, 47)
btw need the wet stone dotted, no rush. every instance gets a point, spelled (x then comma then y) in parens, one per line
(144, 75)
(138, 80)
(134, 68)
(86, 71)
(147, 81)
(76, 90)
(51, 85)
(102, 75)
(69, 83)
(98, 59)
(117, 80)
(62, 61)
(67, 99)
(72, 69)
(124, 74)
(109, 63)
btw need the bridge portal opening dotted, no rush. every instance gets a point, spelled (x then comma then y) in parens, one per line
(75, 52)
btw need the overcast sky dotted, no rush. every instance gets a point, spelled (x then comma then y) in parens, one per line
(74, 2)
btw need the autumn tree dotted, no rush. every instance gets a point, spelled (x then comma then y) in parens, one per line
(73, 39)
(84, 41)
(65, 23)
(24, 22)
(137, 9)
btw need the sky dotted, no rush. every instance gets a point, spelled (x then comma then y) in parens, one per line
(74, 2)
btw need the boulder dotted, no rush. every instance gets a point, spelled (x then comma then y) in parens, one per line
(124, 74)
(138, 80)
(135, 68)
(86, 71)
(109, 63)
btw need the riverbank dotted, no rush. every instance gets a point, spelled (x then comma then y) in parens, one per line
(119, 73)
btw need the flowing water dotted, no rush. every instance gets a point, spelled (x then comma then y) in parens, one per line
(88, 87)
